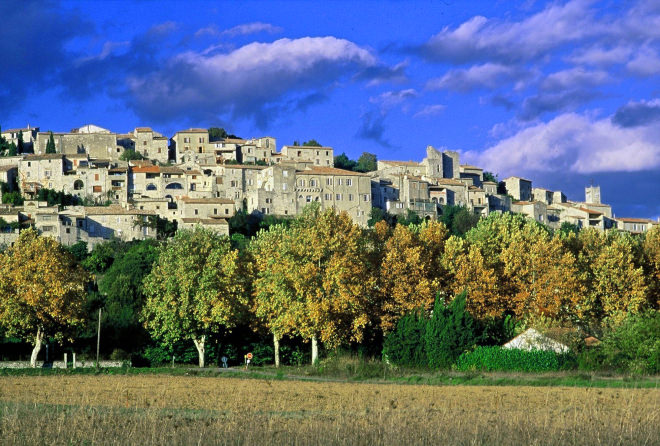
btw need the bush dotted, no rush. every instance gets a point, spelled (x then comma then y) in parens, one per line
(405, 345)
(634, 346)
(450, 332)
(489, 359)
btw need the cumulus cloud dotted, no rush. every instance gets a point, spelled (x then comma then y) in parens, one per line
(537, 105)
(488, 75)
(429, 111)
(483, 39)
(635, 114)
(574, 78)
(645, 63)
(245, 81)
(601, 56)
(573, 143)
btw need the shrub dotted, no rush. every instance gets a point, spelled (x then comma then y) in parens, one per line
(450, 332)
(405, 345)
(489, 359)
(634, 346)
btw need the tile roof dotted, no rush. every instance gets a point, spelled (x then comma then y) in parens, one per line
(45, 156)
(192, 131)
(402, 163)
(634, 220)
(450, 181)
(145, 169)
(143, 129)
(244, 166)
(115, 210)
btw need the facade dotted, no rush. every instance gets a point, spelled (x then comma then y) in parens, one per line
(316, 156)
(519, 188)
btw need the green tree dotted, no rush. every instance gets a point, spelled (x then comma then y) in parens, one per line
(78, 250)
(20, 146)
(197, 285)
(50, 145)
(490, 176)
(312, 143)
(130, 155)
(405, 345)
(368, 162)
(218, 133)
(12, 150)
(450, 332)
(458, 219)
(42, 290)
(13, 198)
(343, 162)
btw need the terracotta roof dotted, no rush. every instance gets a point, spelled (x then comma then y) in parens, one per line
(45, 156)
(330, 171)
(171, 169)
(76, 155)
(468, 166)
(635, 220)
(115, 210)
(17, 130)
(192, 172)
(517, 178)
(145, 169)
(206, 200)
(475, 189)
(143, 129)
(590, 211)
(141, 163)
(234, 140)
(118, 169)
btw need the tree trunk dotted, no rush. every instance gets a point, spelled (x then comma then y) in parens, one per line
(37, 347)
(199, 343)
(276, 345)
(315, 350)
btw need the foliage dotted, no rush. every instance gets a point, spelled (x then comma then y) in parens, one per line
(634, 346)
(218, 133)
(495, 358)
(12, 150)
(450, 332)
(490, 176)
(410, 218)
(102, 256)
(458, 219)
(59, 198)
(50, 145)
(344, 162)
(405, 345)
(377, 214)
(78, 250)
(164, 227)
(130, 155)
(20, 147)
(42, 289)
(14, 198)
(312, 143)
(367, 162)
(197, 285)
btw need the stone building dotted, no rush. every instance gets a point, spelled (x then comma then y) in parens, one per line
(101, 145)
(191, 140)
(148, 143)
(317, 156)
(519, 188)
(29, 136)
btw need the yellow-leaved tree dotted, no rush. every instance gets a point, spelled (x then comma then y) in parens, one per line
(42, 290)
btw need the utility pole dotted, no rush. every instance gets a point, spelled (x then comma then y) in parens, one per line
(98, 340)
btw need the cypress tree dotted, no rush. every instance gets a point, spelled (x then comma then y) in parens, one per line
(405, 344)
(450, 332)
(19, 147)
(50, 145)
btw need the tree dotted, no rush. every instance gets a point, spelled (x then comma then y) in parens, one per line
(450, 332)
(123, 292)
(42, 290)
(312, 143)
(343, 162)
(405, 345)
(651, 248)
(313, 279)
(196, 286)
(50, 145)
(13, 150)
(130, 155)
(218, 133)
(411, 274)
(458, 219)
(368, 162)
(20, 146)
(490, 176)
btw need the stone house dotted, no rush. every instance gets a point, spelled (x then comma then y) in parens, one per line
(476, 174)
(148, 143)
(519, 188)
(102, 145)
(317, 156)
(541, 194)
(634, 225)
(205, 208)
(193, 140)
(536, 210)
(478, 201)
(29, 137)
(274, 191)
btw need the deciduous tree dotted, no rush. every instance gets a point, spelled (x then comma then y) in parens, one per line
(42, 290)
(196, 285)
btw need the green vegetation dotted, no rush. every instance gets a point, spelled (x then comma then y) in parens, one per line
(50, 145)
(218, 133)
(130, 155)
(367, 162)
(491, 359)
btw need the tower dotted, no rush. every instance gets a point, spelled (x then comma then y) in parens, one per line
(592, 194)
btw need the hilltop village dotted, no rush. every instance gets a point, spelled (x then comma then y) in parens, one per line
(193, 179)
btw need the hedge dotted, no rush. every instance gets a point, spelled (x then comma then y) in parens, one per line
(500, 359)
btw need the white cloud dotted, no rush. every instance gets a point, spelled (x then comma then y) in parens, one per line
(573, 143)
(481, 38)
(239, 30)
(430, 110)
(601, 56)
(645, 63)
(574, 78)
(390, 99)
(247, 80)
(488, 75)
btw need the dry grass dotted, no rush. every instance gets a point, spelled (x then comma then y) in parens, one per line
(199, 410)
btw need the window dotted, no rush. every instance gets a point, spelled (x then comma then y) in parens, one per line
(338, 181)
(29, 164)
(47, 173)
(327, 162)
(338, 197)
(327, 197)
(365, 197)
(327, 153)
(301, 183)
(96, 177)
(186, 140)
(144, 143)
(312, 183)
(226, 211)
(269, 200)
(308, 198)
(285, 173)
(201, 140)
(283, 186)
(68, 230)
(196, 211)
(299, 153)
(317, 162)
(350, 197)
(349, 182)
(215, 212)
(97, 189)
(159, 150)
(328, 181)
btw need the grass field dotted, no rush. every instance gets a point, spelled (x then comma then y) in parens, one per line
(160, 409)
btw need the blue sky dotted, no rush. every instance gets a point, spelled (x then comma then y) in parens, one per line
(564, 92)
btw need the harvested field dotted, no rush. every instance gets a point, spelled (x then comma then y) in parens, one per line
(201, 410)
